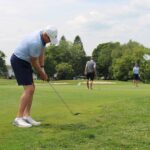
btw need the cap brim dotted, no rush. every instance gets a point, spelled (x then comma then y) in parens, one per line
(54, 41)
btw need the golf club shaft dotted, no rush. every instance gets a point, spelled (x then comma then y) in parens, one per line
(61, 98)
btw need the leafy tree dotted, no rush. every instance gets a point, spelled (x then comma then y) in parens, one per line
(56, 55)
(77, 41)
(64, 71)
(115, 61)
(66, 52)
(51, 60)
(3, 68)
(104, 55)
(145, 71)
(135, 50)
(122, 67)
(78, 56)
(132, 53)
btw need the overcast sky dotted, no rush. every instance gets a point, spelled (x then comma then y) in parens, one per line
(95, 21)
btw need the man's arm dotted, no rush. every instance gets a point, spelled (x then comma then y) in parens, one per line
(95, 68)
(41, 59)
(36, 64)
(85, 70)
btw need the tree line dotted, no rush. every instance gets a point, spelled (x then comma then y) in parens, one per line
(114, 60)
(3, 68)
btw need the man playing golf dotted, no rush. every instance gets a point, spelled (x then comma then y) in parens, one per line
(30, 53)
(90, 72)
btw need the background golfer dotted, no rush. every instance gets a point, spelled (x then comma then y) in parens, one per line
(90, 72)
(136, 75)
(30, 53)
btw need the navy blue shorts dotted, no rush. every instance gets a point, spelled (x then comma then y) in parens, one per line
(90, 76)
(135, 76)
(22, 70)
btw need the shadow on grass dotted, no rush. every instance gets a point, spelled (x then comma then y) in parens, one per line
(69, 127)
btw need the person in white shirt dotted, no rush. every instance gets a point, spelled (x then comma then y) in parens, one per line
(136, 75)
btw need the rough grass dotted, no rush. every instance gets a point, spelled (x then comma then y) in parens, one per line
(113, 117)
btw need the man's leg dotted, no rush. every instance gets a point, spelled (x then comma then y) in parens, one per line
(91, 80)
(136, 83)
(26, 100)
(87, 83)
(133, 81)
(91, 84)
(28, 95)
(28, 107)
(24, 106)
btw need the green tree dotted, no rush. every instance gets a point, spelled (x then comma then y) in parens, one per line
(51, 56)
(115, 61)
(66, 52)
(122, 68)
(132, 53)
(55, 55)
(145, 71)
(3, 68)
(104, 55)
(64, 71)
(78, 56)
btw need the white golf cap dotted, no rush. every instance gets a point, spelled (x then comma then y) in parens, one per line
(52, 34)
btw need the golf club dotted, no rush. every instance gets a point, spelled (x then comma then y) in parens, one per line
(65, 104)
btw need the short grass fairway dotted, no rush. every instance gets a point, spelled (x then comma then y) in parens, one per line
(113, 117)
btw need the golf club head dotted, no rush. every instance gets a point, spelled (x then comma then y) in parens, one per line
(62, 100)
(77, 113)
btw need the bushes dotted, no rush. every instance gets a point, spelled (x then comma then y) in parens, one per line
(64, 71)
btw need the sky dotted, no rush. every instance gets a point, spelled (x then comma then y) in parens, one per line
(95, 21)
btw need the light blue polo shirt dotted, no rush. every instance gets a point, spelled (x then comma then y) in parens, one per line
(135, 70)
(29, 47)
